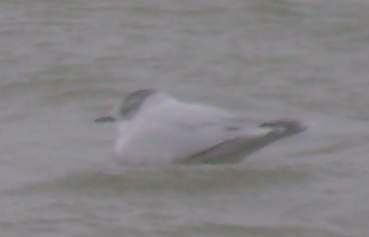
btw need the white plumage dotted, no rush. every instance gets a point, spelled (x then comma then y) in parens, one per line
(156, 128)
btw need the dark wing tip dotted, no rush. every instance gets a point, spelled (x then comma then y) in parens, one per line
(287, 127)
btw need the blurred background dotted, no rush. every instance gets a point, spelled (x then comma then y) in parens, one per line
(64, 63)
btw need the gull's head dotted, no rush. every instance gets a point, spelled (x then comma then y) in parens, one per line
(132, 104)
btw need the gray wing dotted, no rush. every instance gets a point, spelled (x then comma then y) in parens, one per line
(235, 149)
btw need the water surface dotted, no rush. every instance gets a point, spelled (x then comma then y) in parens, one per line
(64, 63)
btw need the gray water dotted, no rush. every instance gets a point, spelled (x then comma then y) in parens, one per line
(65, 63)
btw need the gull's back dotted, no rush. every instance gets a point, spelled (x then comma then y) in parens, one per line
(168, 131)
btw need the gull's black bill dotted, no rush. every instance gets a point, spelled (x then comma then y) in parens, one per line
(105, 119)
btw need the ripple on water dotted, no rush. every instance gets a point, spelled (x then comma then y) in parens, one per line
(204, 178)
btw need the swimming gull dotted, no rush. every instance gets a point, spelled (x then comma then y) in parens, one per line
(154, 127)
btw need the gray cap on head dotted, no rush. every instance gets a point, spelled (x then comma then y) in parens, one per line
(134, 101)
(130, 106)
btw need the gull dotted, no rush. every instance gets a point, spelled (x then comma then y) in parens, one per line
(156, 128)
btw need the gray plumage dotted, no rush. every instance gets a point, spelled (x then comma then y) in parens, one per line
(133, 102)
